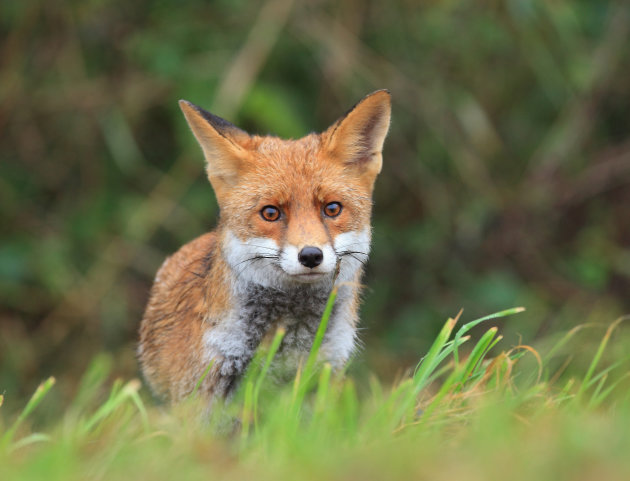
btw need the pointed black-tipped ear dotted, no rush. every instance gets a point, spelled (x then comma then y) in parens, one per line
(357, 138)
(221, 142)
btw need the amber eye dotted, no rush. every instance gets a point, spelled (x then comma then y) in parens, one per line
(270, 213)
(332, 209)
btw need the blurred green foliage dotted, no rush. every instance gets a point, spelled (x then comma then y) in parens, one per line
(506, 176)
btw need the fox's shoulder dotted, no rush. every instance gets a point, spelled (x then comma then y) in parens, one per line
(191, 261)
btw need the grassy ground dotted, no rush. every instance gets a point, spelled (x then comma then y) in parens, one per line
(522, 414)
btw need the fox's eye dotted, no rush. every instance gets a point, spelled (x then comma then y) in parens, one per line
(270, 213)
(332, 209)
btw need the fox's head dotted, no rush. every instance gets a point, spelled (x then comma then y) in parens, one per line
(292, 210)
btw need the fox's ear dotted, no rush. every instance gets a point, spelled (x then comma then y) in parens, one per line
(222, 144)
(357, 138)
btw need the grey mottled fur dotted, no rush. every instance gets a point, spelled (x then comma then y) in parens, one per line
(297, 308)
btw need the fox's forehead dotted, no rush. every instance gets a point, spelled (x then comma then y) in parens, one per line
(298, 171)
(268, 145)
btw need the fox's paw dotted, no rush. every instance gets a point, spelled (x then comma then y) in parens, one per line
(233, 366)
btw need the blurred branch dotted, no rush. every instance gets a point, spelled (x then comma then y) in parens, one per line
(609, 171)
(252, 56)
(574, 124)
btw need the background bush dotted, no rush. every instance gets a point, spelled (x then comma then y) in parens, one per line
(505, 182)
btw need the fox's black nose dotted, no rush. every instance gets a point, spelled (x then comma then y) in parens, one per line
(311, 256)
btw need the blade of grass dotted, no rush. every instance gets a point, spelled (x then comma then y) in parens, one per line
(459, 375)
(33, 402)
(386, 416)
(122, 395)
(28, 440)
(323, 388)
(349, 404)
(273, 349)
(246, 411)
(135, 397)
(480, 370)
(321, 330)
(468, 326)
(604, 372)
(424, 370)
(376, 390)
(438, 373)
(205, 373)
(447, 350)
(598, 388)
(566, 338)
(428, 363)
(567, 387)
(600, 351)
(476, 356)
(306, 374)
(444, 390)
(95, 376)
(597, 400)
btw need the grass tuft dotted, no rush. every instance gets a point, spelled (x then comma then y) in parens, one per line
(456, 416)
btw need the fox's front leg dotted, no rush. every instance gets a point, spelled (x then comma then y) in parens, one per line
(340, 339)
(230, 345)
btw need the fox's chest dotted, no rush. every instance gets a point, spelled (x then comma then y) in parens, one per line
(298, 311)
(260, 311)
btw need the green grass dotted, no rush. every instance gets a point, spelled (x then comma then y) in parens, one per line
(516, 415)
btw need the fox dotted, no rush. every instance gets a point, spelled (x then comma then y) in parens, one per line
(294, 220)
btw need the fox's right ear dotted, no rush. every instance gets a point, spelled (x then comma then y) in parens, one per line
(221, 142)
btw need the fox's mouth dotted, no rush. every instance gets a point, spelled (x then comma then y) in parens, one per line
(309, 276)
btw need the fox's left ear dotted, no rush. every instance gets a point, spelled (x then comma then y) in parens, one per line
(357, 138)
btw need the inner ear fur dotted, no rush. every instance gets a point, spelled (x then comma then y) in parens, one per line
(357, 138)
(221, 142)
